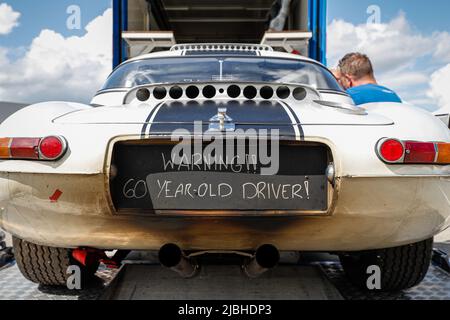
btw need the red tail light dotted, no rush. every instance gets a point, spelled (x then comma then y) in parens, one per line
(394, 151)
(24, 148)
(391, 150)
(48, 148)
(420, 152)
(52, 148)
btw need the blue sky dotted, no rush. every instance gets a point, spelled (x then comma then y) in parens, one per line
(49, 14)
(426, 16)
(410, 47)
(42, 59)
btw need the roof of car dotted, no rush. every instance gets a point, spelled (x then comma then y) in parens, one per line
(201, 50)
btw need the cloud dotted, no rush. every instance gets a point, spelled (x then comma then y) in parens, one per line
(439, 87)
(404, 80)
(442, 46)
(392, 46)
(403, 58)
(58, 68)
(9, 19)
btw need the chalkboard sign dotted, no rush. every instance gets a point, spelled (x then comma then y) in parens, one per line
(146, 178)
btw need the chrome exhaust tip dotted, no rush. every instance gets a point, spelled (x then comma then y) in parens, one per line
(266, 257)
(171, 256)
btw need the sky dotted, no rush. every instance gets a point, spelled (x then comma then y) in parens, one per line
(425, 17)
(54, 50)
(43, 58)
(408, 42)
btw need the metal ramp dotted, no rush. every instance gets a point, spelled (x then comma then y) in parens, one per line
(143, 42)
(435, 286)
(289, 41)
(145, 279)
(219, 282)
(13, 286)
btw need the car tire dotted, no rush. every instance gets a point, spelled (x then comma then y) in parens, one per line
(48, 265)
(401, 267)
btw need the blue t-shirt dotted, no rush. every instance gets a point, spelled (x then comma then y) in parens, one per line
(368, 93)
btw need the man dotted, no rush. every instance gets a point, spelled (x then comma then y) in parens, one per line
(356, 75)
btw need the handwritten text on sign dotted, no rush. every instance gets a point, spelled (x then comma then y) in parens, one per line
(218, 190)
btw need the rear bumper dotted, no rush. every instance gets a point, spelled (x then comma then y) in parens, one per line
(369, 213)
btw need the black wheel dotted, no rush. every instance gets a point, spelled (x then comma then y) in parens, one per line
(47, 265)
(2, 240)
(401, 267)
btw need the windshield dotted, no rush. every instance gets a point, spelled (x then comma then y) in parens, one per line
(204, 69)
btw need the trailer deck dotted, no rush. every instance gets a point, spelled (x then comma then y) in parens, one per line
(142, 278)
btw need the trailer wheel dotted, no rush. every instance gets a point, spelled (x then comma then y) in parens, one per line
(47, 265)
(401, 267)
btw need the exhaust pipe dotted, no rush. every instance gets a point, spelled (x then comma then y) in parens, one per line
(172, 257)
(266, 257)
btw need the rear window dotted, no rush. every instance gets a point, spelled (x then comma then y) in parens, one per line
(226, 68)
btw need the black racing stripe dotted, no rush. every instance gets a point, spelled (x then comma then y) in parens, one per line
(297, 120)
(245, 115)
(144, 128)
(169, 128)
(241, 112)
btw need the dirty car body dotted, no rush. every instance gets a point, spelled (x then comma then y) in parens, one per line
(115, 187)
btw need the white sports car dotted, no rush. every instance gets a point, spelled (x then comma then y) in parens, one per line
(224, 148)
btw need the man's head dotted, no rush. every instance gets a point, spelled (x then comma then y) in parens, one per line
(355, 69)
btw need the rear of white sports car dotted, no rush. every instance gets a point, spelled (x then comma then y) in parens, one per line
(256, 166)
